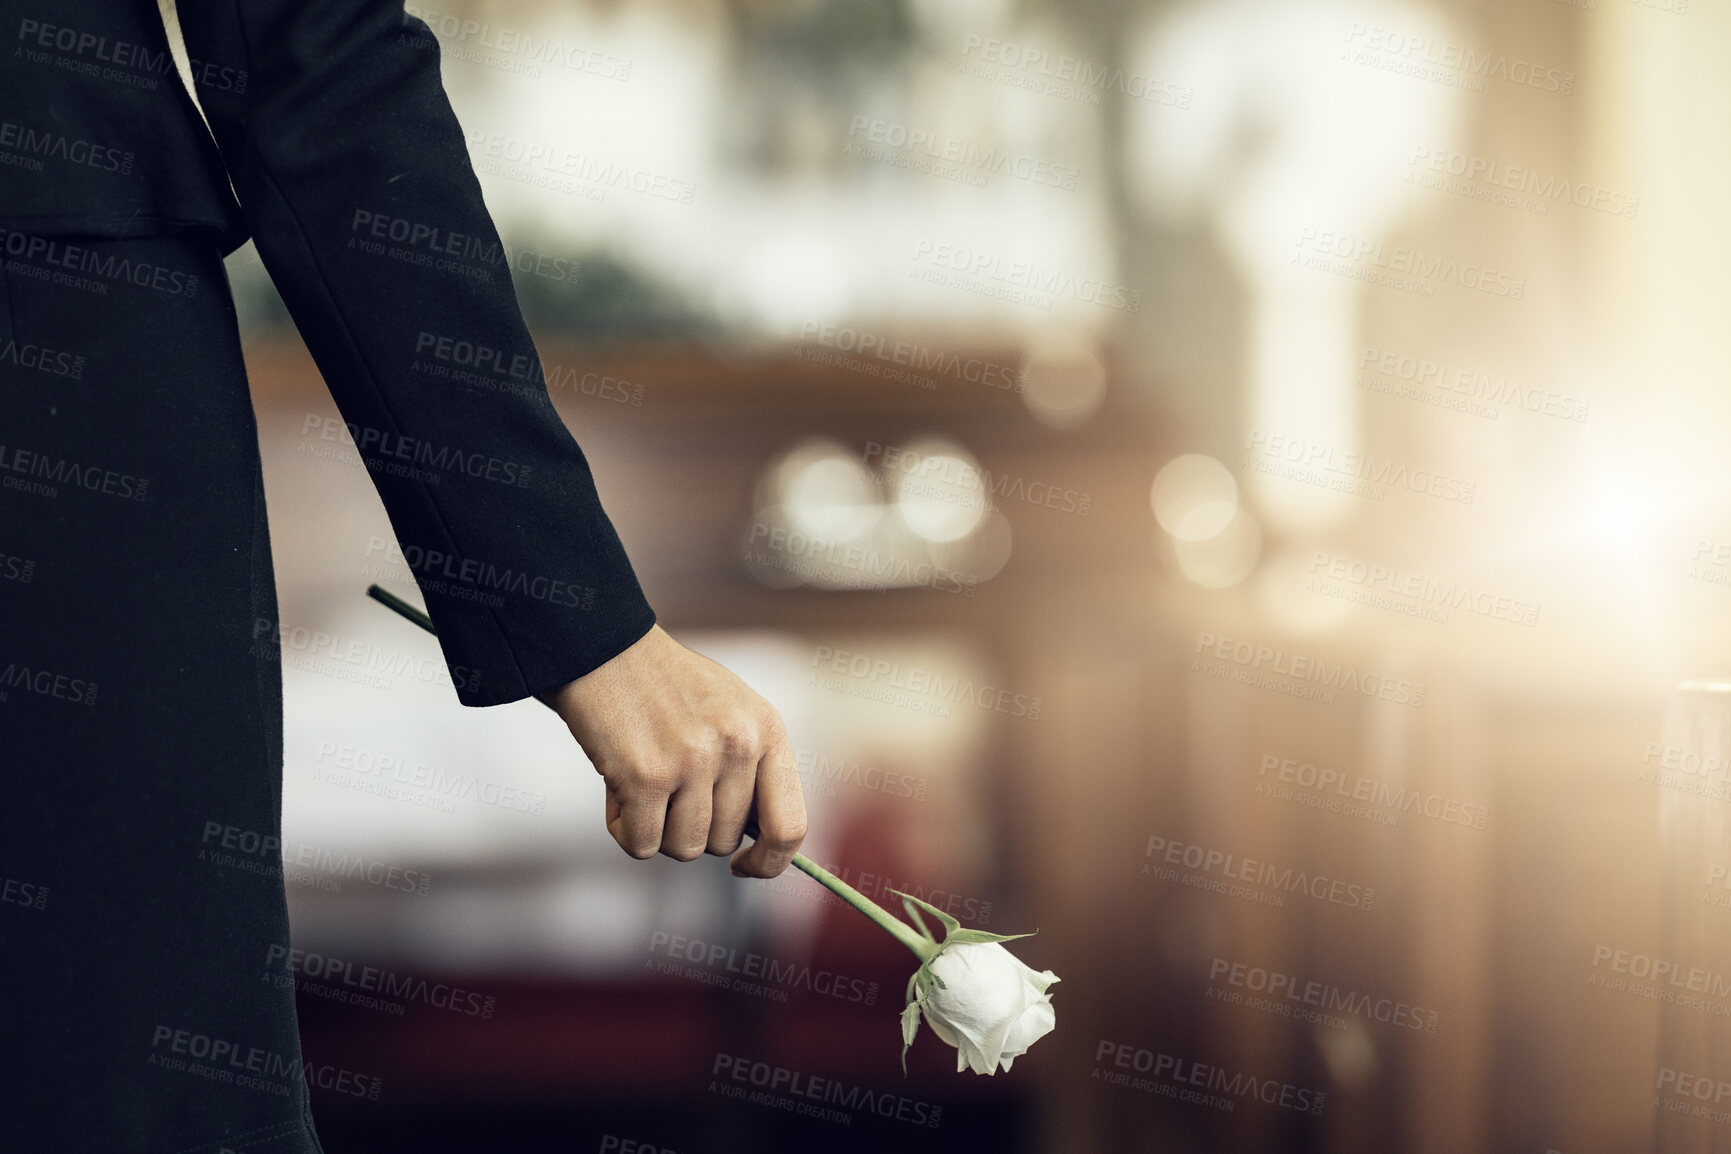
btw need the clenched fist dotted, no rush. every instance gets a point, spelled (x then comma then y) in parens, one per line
(689, 752)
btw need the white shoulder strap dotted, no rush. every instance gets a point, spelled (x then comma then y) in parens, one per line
(177, 49)
(183, 66)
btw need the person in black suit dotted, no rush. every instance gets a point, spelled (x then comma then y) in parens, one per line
(140, 679)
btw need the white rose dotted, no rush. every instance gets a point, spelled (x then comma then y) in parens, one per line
(991, 1007)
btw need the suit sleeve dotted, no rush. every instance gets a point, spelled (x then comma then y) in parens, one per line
(356, 182)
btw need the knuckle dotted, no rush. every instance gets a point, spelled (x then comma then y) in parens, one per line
(736, 737)
(640, 852)
(697, 749)
(725, 836)
(772, 730)
(654, 780)
(788, 834)
(726, 745)
(685, 853)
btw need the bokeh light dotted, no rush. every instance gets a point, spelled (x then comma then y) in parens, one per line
(826, 491)
(1223, 559)
(1194, 497)
(939, 492)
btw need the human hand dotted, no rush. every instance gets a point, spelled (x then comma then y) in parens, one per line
(689, 752)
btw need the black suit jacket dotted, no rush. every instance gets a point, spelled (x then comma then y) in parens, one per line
(349, 170)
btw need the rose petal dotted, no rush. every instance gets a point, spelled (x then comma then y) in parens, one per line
(991, 1008)
(1039, 1021)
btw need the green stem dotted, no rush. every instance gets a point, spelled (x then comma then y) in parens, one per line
(898, 929)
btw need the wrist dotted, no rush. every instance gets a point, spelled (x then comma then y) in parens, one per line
(564, 697)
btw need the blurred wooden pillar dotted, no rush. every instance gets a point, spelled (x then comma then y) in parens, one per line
(1083, 784)
(1692, 838)
(1450, 894)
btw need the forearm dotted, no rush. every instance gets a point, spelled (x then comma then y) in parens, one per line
(355, 178)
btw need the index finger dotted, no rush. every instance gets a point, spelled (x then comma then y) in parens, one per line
(780, 812)
(636, 820)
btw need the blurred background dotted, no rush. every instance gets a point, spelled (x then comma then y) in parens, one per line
(1238, 487)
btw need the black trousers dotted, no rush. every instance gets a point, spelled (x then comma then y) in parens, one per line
(140, 719)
